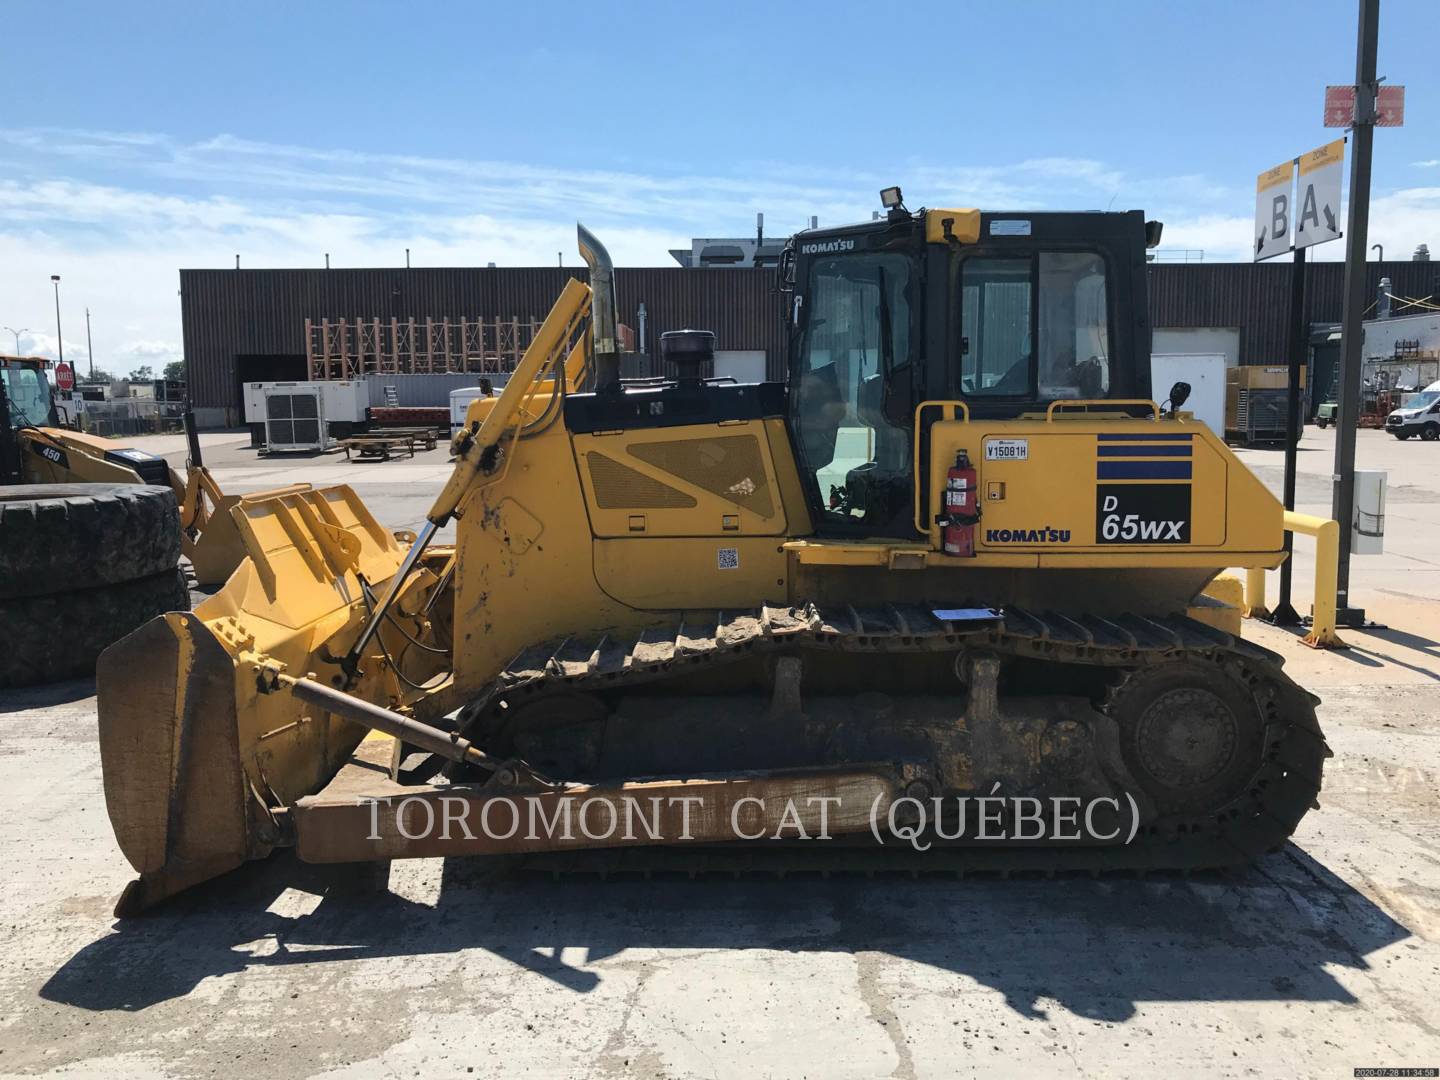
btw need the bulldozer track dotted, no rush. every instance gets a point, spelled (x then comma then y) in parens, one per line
(1260, 819)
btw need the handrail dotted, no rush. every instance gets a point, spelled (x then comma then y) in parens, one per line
(1327, 559)
(938, 403)
(1075, 403)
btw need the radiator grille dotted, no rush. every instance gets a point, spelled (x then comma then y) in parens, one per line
(731, 467)
(619, 487)
(292, 419)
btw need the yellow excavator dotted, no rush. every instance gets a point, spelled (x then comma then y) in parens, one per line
(943, 590)
(36, 449)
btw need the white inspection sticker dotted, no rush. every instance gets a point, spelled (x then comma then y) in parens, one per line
(1009, 228)
(1007, 449)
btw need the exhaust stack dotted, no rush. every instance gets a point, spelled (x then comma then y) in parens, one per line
(602, 309)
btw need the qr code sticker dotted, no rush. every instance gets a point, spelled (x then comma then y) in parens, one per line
(728, 558)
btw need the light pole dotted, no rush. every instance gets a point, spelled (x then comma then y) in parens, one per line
(89, 348)
(1380, 248)
(59, 337)
(17, 333)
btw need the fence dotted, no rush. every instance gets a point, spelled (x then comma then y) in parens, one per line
(128, 416)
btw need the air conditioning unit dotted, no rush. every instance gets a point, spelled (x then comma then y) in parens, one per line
(295, 416)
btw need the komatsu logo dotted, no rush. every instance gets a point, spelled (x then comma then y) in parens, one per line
(1045, 535)
(827, 247)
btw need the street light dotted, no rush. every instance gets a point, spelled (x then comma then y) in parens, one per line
(1380, 248)
(17, 333)
(59, 337)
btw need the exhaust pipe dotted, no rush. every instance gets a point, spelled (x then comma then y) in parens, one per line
(602, 310)
(192, 436)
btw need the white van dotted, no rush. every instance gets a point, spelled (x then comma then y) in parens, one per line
(1418, 416)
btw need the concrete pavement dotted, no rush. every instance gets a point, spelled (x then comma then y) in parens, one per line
(1322, 958)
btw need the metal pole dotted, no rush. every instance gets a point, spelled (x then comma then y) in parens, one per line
(1348, 418)
(59, 336)
(1285, 614)
(89, 348)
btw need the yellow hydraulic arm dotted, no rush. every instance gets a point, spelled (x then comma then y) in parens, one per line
(480, 451)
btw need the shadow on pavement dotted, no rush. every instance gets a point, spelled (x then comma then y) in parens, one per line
(15, 699)
(1096, 946)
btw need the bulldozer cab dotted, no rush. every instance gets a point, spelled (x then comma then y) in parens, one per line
(1007, 313)
(25, 401)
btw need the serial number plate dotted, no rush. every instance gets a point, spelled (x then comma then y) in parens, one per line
(1007, 449)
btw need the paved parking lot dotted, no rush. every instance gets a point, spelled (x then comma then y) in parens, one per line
(1322, 958)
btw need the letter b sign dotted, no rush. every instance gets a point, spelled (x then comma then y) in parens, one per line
(1280, 217)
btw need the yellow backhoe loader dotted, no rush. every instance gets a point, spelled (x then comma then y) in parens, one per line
(944, 589)
(35, 449)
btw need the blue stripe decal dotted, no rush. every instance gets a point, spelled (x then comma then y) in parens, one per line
(1134, 450)
(1142, 437)
(1142, 470)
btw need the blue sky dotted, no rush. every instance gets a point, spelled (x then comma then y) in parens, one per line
(174, 135)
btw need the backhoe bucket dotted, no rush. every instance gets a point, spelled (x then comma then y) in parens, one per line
(211, 538)
(174, 786)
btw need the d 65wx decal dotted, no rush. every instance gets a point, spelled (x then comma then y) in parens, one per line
(1142, 513)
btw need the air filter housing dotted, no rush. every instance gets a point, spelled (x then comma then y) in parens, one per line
(689, 350)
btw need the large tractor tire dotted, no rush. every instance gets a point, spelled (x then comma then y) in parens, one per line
(81, 566)
(48, 638)
(63, 537)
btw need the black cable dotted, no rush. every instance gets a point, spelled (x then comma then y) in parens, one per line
(368, 597)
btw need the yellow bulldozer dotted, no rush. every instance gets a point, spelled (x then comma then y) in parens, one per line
(943, 589)
(36, 449)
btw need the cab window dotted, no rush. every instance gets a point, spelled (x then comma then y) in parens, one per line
(28, 394)
(855, 338)
(1034, 326)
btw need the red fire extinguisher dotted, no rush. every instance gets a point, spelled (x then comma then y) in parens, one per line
(962, 510)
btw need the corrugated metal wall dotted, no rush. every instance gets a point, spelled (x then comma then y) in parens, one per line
(226, 313)
(427, 390)
(1256, 297)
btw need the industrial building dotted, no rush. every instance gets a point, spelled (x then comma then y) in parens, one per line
(258, 325)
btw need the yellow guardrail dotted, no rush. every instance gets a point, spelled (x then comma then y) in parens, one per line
(1326, 532)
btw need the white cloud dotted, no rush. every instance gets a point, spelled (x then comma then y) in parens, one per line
(1221, 237)
(118, 213)
(1431, 164)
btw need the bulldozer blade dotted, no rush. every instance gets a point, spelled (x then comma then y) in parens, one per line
(174, 786)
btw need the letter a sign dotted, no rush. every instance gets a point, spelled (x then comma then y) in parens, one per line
(1274, 211)
(1317, 200)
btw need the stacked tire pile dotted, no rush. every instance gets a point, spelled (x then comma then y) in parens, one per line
(81, 566)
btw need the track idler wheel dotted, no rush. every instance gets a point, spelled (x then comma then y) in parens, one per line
(1228, 749)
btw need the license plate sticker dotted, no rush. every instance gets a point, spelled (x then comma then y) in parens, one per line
(1007, 449)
